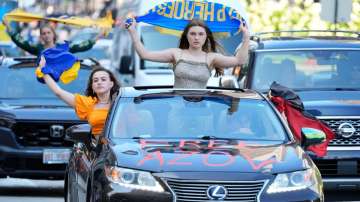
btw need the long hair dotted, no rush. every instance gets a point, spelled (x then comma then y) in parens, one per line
(209, 45)
(113, 91)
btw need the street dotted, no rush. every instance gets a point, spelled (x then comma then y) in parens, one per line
(18, 190)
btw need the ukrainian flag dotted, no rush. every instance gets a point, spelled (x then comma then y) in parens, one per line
(175, 15)
(60, 64)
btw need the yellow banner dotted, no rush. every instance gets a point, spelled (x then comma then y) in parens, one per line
(19, 15)
(3, 35)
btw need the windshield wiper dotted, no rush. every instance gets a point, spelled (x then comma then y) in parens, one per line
(347, 89)
(212, 137)
(157, 67)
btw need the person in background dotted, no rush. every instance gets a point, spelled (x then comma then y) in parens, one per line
(48, 39)
(196, 55)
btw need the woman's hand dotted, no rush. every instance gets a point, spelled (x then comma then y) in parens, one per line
(6, 24)
(130, 24)
(42, 62)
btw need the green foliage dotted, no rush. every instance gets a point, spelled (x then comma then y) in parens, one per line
(276, 15)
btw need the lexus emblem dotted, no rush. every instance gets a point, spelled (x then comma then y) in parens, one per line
(346, 130)
(56, 131)
(216, 192)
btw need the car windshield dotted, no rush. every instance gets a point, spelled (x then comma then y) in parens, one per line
(308, 69)
(196, 117)
(20, 82)
(154, 40)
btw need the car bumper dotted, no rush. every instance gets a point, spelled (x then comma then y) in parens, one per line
(119, 193)
(116, 192)
(25, 162)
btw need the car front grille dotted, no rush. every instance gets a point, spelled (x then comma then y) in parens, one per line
(334, 124)
(193, 190)
(333, 167)
(41, 134)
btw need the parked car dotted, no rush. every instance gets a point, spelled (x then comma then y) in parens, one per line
(32, 141)
(165, 144)
(101, 52)
(9, 49)
(324, 70)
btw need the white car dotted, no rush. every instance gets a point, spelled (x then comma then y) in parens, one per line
(101, 52)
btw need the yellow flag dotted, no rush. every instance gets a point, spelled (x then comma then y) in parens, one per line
(3, 35)
(22, 16)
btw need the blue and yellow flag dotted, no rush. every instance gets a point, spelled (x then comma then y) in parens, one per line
(60, 64)
(175, 15)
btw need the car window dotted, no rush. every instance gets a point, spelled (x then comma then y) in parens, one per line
(20, 82)
(194, 117)
(307, 69)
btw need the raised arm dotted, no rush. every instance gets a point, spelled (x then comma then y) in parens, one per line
(66, 96)
(165, 56)
(240, 57)
(16, 37)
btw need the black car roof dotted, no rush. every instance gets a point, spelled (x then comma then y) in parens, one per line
(308, 43)
(306, 39)
(170, 91)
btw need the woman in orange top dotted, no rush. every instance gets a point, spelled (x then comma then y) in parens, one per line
(102, 89)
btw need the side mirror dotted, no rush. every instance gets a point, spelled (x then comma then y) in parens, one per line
(312, 136)
(79, 133)
(125, 64)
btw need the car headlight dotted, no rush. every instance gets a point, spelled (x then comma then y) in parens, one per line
(294, 181)
(133, 179)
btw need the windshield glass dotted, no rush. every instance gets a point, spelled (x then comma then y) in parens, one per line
(196, 117)
(154, 40)
(308, 69)
(21, 82)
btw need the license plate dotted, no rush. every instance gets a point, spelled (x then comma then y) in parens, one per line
(56, 156)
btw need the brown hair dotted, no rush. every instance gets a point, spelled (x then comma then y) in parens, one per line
(210, 43)
(51, 28)
(113, 91)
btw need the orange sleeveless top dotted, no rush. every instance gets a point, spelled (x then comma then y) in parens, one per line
(85, 110)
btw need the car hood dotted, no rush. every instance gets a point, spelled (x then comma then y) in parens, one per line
(209, 155)
(38, 109)
(331, 103)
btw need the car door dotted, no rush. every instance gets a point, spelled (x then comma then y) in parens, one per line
(83, 157)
